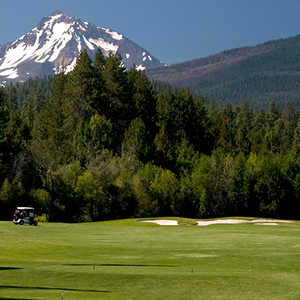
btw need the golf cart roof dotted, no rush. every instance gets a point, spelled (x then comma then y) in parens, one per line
(25, 208)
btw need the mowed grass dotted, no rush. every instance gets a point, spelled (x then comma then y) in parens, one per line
(128, 259)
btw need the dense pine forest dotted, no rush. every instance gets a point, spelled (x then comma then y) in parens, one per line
(268, 71)
(104, 143)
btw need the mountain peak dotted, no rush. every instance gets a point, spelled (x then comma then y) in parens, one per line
(57, 12)
(56, 42)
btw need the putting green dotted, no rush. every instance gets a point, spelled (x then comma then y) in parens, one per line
(129, 259)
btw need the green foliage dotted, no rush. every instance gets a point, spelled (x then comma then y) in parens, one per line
(141, 185)
(103, 144)
(91, 192)
(180, 118)
(10, 195)
(6, 192)
(100, 131)
(135, 140)
(164, 189)
(42, 199)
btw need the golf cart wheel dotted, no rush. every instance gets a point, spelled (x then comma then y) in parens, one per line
(35, 223)
(21, 222)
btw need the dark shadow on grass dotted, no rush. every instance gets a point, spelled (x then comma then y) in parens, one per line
(118, 265)
(8, 269)
(49, 288)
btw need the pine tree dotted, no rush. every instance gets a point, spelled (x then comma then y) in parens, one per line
(118, 97)
(81, 90)
(99, 62)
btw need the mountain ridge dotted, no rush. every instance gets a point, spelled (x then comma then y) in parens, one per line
(56, 42)
(267, 71)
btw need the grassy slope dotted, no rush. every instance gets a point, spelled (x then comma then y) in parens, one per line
(132, 260)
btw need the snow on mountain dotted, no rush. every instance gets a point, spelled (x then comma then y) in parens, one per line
(55, 43)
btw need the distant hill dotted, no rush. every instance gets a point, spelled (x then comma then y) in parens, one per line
(257, 75)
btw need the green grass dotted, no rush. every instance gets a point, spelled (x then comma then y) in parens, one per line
(132, 260)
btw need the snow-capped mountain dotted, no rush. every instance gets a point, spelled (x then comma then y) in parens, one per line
(55, 43)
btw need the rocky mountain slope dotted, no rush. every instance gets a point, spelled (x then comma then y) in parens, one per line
(55, 43)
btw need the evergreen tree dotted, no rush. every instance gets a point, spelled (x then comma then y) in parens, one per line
(99, 62)
(118, 96)
(81, 91)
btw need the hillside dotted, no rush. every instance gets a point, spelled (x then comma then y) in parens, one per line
(269, 71)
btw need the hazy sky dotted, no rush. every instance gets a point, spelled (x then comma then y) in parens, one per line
(172, 30)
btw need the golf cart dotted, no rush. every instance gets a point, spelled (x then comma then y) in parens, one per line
(25, 215)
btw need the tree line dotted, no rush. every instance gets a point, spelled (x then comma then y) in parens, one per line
(106, 144)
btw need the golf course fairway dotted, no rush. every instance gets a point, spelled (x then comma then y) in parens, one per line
(129, 259)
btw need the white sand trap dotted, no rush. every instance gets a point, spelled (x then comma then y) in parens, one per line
(227, 221)
(267, 224)
(163, 222)
(269, 221)
(240, 221)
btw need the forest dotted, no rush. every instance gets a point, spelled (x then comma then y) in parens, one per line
(104, 143)
(257, 75)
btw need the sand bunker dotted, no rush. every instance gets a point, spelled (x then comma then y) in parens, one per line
(163, 222)
(222, 221)
(240, 221)
(269, 221)
(227, 221)
(267, 224)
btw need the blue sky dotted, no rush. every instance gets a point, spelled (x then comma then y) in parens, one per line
(172, 30)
